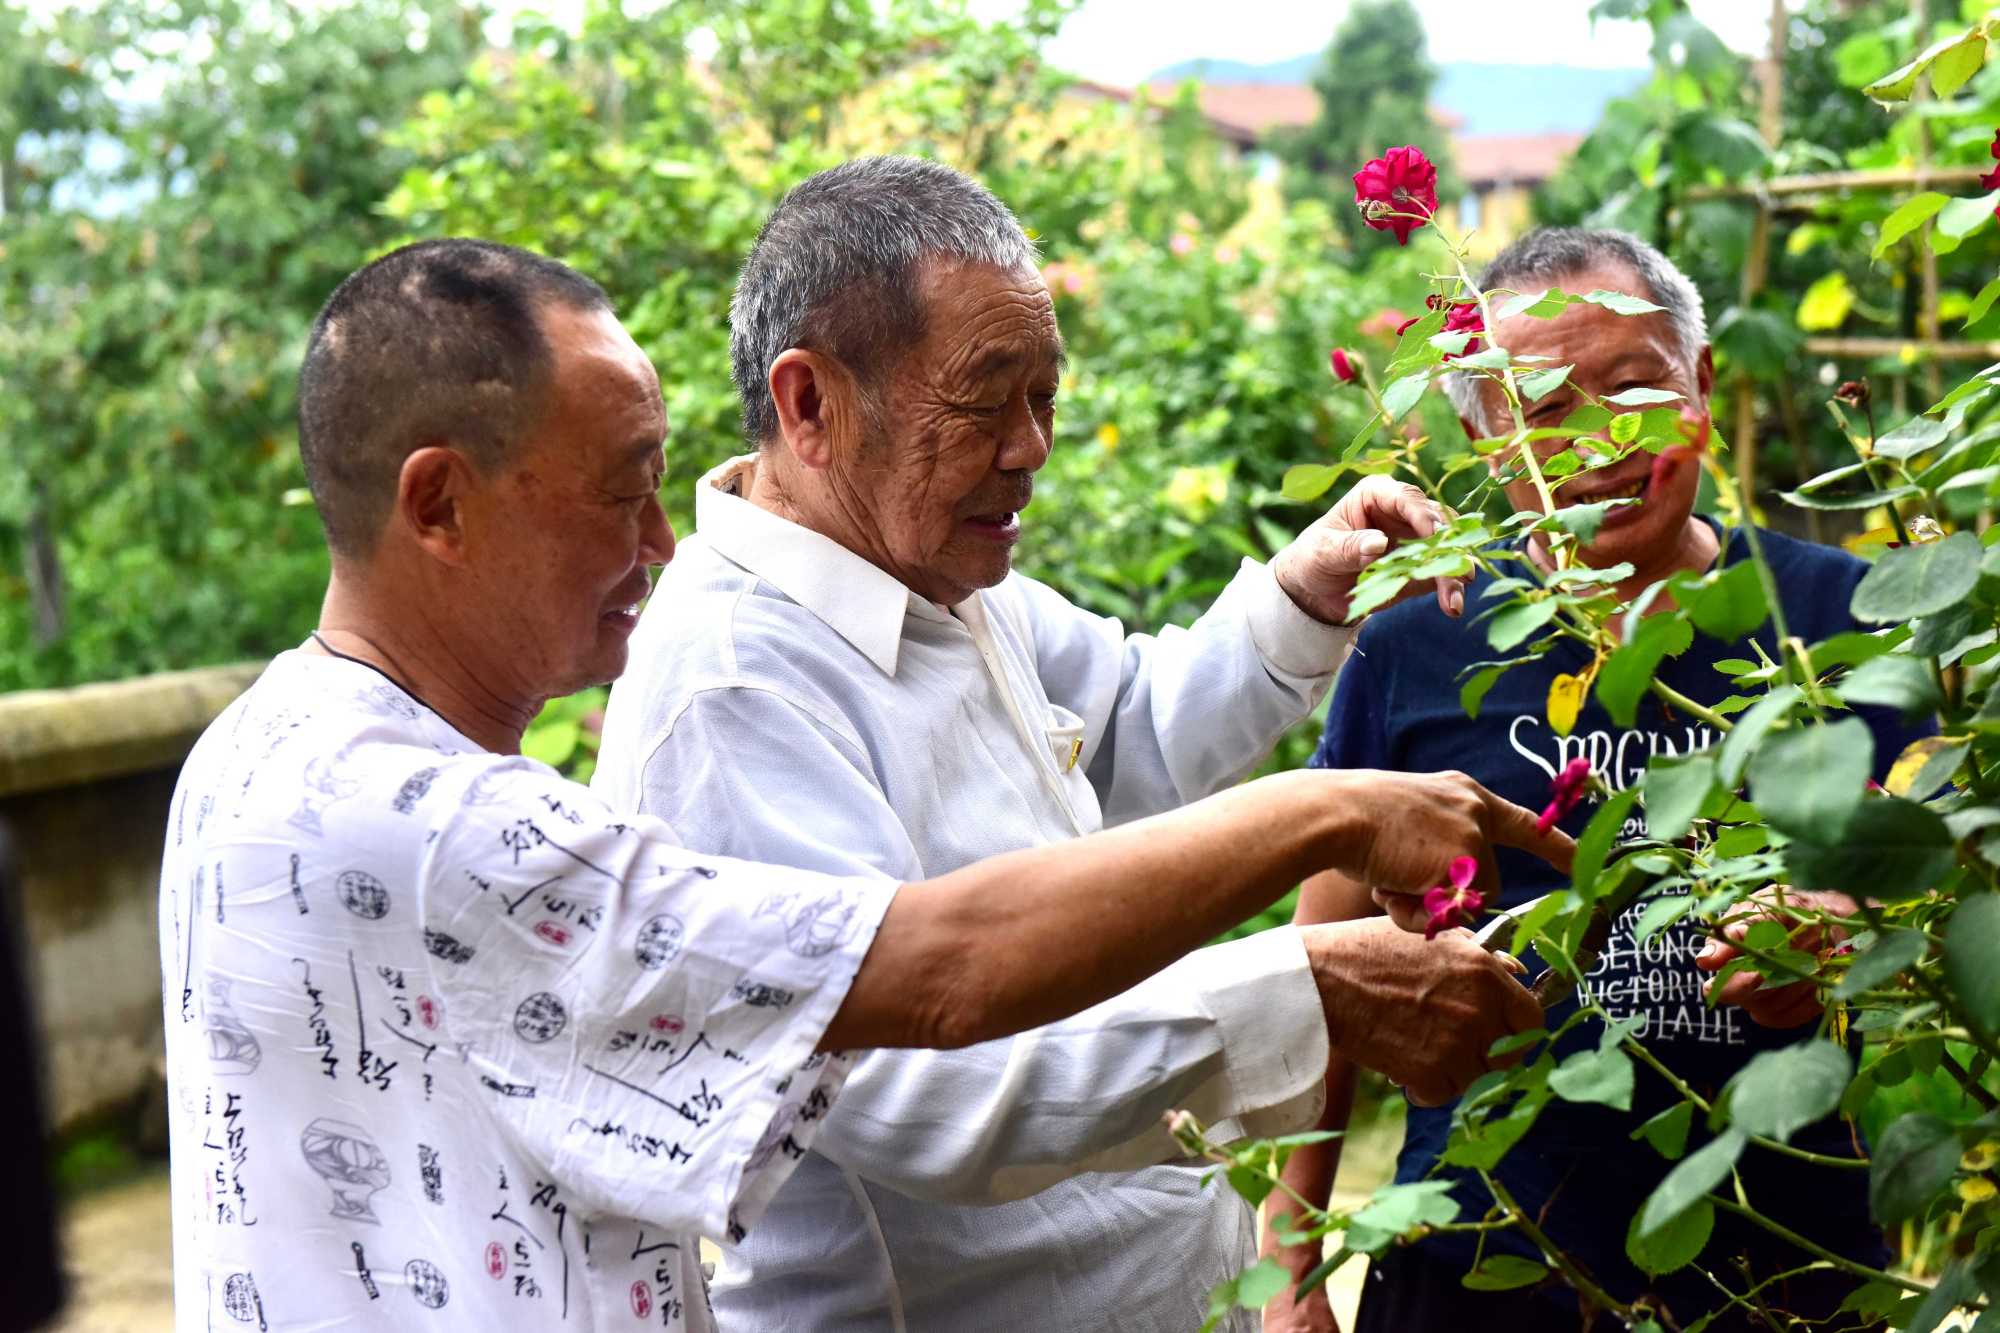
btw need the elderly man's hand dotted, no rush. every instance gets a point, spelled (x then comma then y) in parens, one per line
(1318, 570)
(1423, 1013)
(1783, 1005)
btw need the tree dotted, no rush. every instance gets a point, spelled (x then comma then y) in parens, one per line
(1374, 91)
(183, 187)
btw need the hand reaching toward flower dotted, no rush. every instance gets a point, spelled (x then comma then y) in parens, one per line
(1319, 569)
(1782, 1005)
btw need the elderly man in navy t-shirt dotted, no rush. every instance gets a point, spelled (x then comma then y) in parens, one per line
(1397, 707)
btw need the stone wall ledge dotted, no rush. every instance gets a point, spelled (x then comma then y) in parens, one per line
(63, 738)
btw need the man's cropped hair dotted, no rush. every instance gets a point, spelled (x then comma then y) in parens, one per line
(1546, 255)
(837, 266)
(438, 343)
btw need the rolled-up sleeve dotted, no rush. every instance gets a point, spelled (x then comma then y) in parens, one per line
(1234, 1032)
(644, 1019)
(1173, 717)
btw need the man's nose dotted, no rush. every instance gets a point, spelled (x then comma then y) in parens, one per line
(656, 536)
(1025, 446)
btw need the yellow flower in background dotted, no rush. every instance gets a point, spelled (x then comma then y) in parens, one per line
(1107, 437)
(1982, 1156)
(1977, 1190)
(1194, 491)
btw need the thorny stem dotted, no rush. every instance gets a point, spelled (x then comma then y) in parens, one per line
(1674, 697)
(1560, 1261)
(1818, 1251)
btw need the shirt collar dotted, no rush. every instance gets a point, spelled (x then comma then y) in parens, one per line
(862, 603)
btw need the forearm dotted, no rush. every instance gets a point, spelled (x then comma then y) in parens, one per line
(1023, 939)
(1309, 1176)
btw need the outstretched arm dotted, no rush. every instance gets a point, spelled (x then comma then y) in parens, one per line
(1022, 939)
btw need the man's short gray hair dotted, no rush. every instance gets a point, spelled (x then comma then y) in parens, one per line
(837, 265)
(1543, 256)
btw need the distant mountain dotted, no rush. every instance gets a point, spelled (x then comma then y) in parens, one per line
(1489, 99)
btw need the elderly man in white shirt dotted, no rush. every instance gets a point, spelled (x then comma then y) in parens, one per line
(452, 1045)
(843, 675)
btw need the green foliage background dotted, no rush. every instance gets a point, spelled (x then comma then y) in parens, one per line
(185, 185)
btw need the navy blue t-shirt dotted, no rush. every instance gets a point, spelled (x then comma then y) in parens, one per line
(1397, 707)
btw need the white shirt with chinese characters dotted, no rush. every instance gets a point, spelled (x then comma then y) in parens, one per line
(789, 701)
(451, 1046)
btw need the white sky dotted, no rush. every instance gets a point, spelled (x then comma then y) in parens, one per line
(1122, 41)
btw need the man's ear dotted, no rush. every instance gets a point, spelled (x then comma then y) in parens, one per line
(1704, 374)
(431, 490)
(815, 396)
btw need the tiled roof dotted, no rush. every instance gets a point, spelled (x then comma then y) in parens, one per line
(1519, 159)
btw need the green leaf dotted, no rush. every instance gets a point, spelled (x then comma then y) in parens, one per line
(1473, 692)
(1538, 305)
(1581, 521)
(1892, 681)
(1911, 438)
(1604, 829)
(1642, 397)
(1742, 739)
(1892, 849)
(1808, 782)
(1675, 790)
(1983, 302)
(1961, 217)
(1972, 958)
(1603, 1077)
(1625, 427)
(1954, 66)
(1504, 1272)
(1619, 303)
(1909, 215)
(1514, 624)
(1660, 913)
(553, 742)
(1673, 1246)
(1402, 395)
(1890, 954)
(1668, 1131)
(1697, 1174)
(1918, 580)
(1394, 1209)
(1781, 1092)
(1309, 481)
(1260, 1283)
(1539, 384)
(1954, 1288)
(1914, 1160)
(1627, 672)
(1733, 606)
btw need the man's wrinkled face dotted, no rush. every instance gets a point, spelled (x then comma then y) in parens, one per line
(570, 529)
(1611, 353)
(965, 419)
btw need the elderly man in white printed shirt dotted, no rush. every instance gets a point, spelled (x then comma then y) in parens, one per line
(845, 676)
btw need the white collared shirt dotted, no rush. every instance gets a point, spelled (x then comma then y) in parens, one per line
(790, 701)
(451, 1045)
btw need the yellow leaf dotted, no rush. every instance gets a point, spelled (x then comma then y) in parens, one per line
(1903, 773)
(1826, 303)
(1565, 702)
(1872, 542)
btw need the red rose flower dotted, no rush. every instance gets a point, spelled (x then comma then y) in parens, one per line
(1343, 365)
(1400, 182)
(1464, 318)
(1455, 905)
(1565, 792)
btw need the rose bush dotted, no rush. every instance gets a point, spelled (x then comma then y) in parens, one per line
(1875, 907)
